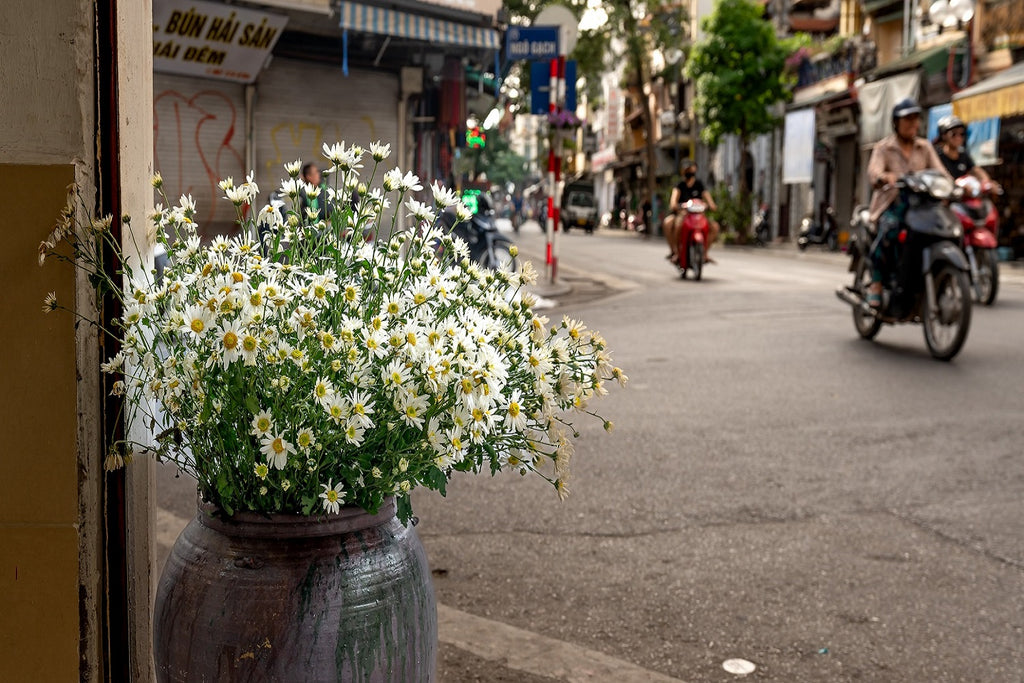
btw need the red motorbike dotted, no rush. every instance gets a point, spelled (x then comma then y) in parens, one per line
(693, 239)
(980, 220)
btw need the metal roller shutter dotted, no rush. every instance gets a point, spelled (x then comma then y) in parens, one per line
(199, 139)
(302, 105)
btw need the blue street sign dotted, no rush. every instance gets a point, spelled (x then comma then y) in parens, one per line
(531, 43)
(540, 87)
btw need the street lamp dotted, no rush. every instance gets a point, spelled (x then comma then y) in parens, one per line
(951, 13)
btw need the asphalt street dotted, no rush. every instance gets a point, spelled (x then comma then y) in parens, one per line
(775, 489)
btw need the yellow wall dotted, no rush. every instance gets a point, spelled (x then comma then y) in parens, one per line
(39, 516)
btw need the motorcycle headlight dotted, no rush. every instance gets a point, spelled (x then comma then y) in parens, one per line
(938, 185)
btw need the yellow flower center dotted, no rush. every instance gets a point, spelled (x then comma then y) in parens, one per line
(321, 390)
(332, 496)
(198, 326)
(237, 277)
(319, 292)
(263, 424)
(513, 409)
(230, 341)
(350, 293)
(277, 445)
(250, 343)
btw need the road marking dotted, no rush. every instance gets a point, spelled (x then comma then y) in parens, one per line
(512, 647)
(522, 650)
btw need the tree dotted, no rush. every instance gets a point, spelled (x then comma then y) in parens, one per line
(739, 73)
(632, 32)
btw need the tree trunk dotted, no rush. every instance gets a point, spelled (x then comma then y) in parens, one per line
(650, 162)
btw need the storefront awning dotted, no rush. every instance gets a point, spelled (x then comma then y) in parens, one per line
(998, 96)
(932, 60)
(355, 16)
(877, 100)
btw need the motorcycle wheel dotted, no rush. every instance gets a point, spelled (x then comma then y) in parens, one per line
(948, 318)
(867, 324)
(501, 258)
(696, 259)
(988, 277)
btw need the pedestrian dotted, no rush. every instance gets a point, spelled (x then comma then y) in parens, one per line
(315, 199)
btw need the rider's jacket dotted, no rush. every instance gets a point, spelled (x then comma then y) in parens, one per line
(888, 157)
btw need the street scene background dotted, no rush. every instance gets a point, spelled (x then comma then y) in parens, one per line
(775, 489)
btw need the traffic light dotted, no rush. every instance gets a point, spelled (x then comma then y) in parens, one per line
(476, 138)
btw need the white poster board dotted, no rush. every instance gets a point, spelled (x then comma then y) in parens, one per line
(212, 40)
(798, 147)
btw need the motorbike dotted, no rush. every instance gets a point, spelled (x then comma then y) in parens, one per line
(930, 283)
(980, 221)
(761, 228)
(693, 239)
(486, 245)
(826, 233)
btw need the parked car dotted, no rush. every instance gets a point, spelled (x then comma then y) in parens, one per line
(579, 210)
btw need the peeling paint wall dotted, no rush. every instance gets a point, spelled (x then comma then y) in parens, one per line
(51, 586)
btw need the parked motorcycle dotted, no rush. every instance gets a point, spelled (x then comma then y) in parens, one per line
(693, 239)
(825, 234)
(486, 245)
(980, 222)
(761, 228)
(930, 283)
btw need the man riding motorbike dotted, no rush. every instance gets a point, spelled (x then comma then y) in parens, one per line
(689, 188)
(893, 157)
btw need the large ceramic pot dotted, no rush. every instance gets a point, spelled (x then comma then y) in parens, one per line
(289, 598)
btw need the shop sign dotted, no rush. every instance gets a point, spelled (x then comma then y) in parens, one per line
(212, 40)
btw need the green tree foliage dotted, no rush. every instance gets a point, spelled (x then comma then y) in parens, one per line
(500, 162)
(739, 72)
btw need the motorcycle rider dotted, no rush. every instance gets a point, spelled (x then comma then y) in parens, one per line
(893, 157)
(953, 152)
(688, 188)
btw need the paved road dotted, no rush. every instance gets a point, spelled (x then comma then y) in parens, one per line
(775, 490)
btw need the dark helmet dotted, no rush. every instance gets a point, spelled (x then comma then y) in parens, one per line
(948, 123)
(484, 205)
(906, 107)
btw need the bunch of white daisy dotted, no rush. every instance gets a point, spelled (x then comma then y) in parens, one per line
(298, 366)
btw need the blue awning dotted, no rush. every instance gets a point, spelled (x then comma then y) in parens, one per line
(355, 16)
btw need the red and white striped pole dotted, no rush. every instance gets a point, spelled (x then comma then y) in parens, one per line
(557, 90)
(551, 224)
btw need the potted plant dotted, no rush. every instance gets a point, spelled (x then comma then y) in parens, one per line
(309, 376)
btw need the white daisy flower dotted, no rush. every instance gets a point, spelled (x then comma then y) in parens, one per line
(443, 197)
(197, 320)
(379, 151)
(262, 423)
(229, 343)
(277, 450)
(333, 497)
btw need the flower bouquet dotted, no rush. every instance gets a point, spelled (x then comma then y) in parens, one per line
(310, 363)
